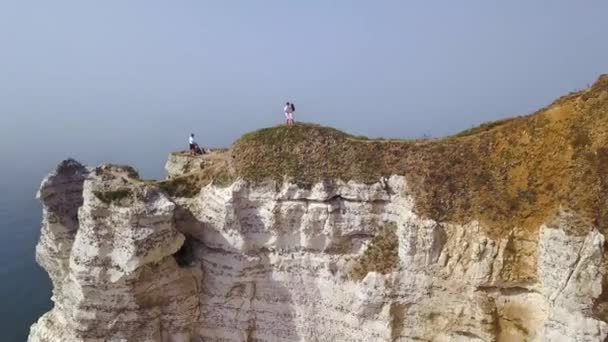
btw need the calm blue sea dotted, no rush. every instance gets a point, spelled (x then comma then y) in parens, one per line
(25, 288)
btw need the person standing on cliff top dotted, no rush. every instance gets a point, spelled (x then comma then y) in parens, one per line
(191, 143)
(289, 110)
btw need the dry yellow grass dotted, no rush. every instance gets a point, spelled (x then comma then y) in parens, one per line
(515, 172)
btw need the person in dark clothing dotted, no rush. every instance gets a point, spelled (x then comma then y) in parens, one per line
(194, 148)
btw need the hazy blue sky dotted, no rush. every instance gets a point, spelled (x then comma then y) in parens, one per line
(128, 80)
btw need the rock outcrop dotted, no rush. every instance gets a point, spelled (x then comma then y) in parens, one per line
(183, 162)
(109, 251)
(246, 249)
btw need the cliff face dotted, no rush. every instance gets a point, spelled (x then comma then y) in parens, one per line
(272, 244)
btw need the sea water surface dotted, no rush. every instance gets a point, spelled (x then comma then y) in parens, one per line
(25, 288)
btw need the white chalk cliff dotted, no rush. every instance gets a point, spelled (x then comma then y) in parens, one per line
(243, 260)
(271, 263)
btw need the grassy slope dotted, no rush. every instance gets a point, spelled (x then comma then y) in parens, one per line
(516, 172)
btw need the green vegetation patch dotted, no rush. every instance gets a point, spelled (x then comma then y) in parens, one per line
(305, 154)
(190, 185)
(484, 127)
(185, 186)
(113, 196)
(381, 255)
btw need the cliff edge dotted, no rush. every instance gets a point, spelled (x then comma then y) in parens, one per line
(308, 233)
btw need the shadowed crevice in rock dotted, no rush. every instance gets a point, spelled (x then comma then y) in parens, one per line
(185, 256)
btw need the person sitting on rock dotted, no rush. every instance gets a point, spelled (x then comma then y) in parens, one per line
(194, 148)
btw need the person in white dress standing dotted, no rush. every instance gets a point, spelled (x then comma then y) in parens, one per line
(289, 110)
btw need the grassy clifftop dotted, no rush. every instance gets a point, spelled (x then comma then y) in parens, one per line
(512, 172)
(305, 153)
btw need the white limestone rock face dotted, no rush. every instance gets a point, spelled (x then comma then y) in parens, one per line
(112, 266)
(273, 263)
(276, 265)
(571, 293)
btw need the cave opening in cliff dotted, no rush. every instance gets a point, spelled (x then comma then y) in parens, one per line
(185, 255)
